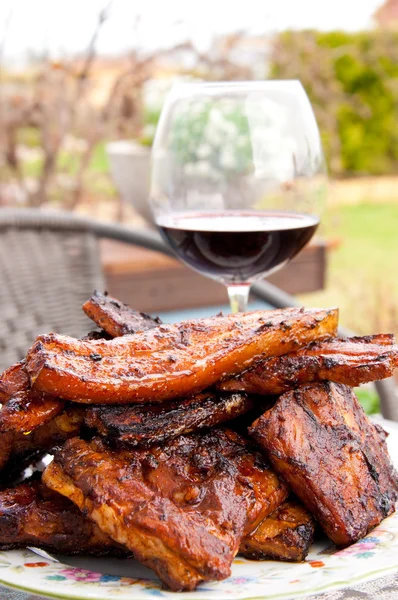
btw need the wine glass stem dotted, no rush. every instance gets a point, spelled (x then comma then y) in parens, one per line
(238, 297)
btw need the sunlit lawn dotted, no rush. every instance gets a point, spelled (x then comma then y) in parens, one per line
(362, 272)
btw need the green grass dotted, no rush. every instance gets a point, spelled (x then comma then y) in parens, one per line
(362, 267)
(369, 236)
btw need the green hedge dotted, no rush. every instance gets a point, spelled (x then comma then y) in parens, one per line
(352, 81)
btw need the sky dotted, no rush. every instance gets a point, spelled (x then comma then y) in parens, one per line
(65, 26)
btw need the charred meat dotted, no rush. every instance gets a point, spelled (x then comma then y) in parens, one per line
(169, 361)
(351, 361)
(181, 508)
(335, 460)
(116, 318)
(147, 424)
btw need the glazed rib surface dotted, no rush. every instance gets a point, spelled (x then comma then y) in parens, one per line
(181, 508)
(333, 458)
(169, 361)
(351, 361)
(24, 409)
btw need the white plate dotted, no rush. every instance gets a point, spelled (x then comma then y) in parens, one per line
(324, 569)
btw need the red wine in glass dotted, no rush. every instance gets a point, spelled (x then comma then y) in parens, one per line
(236, 247)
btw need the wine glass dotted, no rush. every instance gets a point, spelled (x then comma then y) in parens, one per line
(238, 178)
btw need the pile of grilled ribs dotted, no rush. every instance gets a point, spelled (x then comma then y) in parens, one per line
(183, 445)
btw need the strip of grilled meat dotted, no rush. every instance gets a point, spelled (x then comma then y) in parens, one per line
(33, 515)
(24, 409)
(116, 318)
(352, 361)
(169, 361)
(17, 450)
(181, 508)
(286, 534)
(29, 422)
(147, 424)
(336, 461)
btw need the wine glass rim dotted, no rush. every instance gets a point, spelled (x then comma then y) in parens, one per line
(249, 84)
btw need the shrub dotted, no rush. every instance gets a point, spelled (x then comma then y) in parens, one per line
(352, 82)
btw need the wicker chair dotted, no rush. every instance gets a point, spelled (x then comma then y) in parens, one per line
(49, 265)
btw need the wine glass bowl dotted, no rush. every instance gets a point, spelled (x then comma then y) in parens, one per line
(238, 178)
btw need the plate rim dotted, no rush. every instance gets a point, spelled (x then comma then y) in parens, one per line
(372, 576)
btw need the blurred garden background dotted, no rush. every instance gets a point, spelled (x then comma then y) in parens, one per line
(73, 78)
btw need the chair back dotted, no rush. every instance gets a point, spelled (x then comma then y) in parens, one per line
(47, 271)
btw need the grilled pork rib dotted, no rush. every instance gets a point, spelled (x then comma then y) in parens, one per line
(17, 450)
(116, 318)
(24, 416)
(181, 508)
(286, 534)
(321, 442)
(351, 361)
(169, 361)
(24, 409)
(33, 515)
(147, 424)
